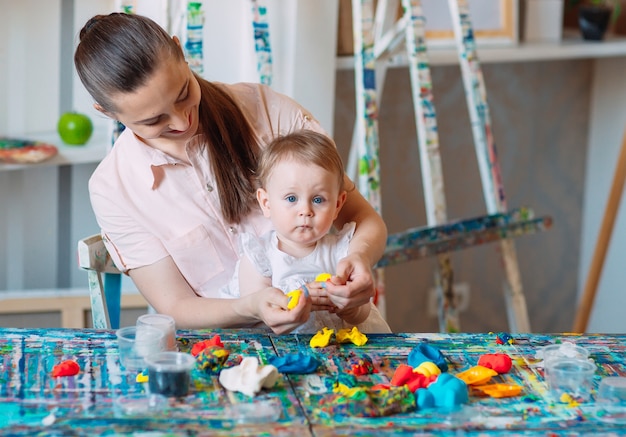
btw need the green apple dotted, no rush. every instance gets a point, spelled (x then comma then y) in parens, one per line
(74, 128)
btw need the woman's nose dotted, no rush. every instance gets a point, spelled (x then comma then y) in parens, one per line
(180, 121)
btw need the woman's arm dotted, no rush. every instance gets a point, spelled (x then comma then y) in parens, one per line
(250, 280)
(355, 316)
(166, 290)
(353, 283)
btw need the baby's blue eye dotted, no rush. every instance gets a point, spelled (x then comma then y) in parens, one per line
(317, 200)
(291, 199)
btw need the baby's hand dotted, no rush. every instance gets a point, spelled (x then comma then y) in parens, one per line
(272, 306)
(319, 297)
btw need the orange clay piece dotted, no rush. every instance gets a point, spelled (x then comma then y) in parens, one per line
(500, 390)
(476, 375)
(353, 335)
(294, 298)
(428, 369)
(322, 338)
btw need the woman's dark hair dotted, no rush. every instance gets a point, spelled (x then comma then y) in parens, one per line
(119, 53)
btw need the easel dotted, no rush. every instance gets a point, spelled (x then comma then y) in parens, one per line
(602, 244)
(377, 36)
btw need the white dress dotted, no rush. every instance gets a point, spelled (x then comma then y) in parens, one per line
(289, 273)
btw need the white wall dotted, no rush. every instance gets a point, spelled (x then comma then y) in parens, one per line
(607, 128)
(29, 67)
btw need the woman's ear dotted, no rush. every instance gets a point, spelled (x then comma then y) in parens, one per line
(177, 41)
(264, 201)
(99, 108)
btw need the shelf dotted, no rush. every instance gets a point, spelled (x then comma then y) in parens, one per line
(570, 47)
(92, 152)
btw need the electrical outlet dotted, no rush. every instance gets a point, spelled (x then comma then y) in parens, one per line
(461, 296)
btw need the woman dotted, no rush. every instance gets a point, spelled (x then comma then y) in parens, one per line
(178, 186)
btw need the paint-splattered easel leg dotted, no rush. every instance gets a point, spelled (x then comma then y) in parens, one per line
(493, 188)
(430, 157)
(367, 114)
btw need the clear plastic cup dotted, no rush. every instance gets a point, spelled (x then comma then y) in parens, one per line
(565, 350)
(612, 390)
(169, 373)
(163, 322)
(139, 404)
(135, 344)
(570, 379)
(611, 400)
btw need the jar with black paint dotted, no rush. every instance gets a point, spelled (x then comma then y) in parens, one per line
(169, 373)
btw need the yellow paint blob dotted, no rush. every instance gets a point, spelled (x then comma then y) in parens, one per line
(322, 338)
(323, 277)
(428, 369)
(353, 335)
(294, 298)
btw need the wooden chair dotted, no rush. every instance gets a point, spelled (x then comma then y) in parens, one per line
(105, 282)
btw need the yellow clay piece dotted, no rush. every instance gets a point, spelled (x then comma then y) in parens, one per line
(428, 369)
(476, 375)
(323, 277)
(345, 390)
(294, 298)
(569, 400)
(220, 353)
(500, 390)
(322, 338)
(142, 377)
(351, 335)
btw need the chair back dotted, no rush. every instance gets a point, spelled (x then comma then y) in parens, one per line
(105, 282)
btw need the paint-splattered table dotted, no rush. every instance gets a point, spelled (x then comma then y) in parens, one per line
(32, 402)
(533, 412)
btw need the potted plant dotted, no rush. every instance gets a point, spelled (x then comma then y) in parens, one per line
(594, 16)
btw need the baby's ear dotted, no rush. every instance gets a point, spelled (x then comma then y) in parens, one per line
(264, 201)
(341, 200)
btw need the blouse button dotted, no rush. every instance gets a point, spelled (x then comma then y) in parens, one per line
(232, 230)
(209, 187)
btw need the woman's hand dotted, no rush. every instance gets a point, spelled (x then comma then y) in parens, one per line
(271, 304)
(353, 283)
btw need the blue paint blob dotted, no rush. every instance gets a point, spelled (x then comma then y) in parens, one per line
(424, 398)
(449, 391)
(424, 352)
(298, 363)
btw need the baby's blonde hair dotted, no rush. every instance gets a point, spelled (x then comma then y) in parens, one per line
(304, 146)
